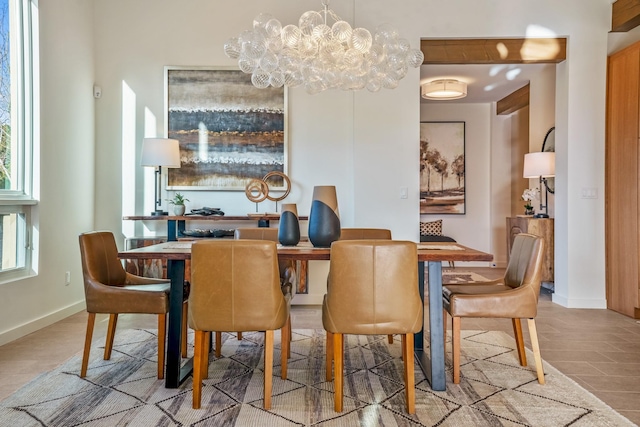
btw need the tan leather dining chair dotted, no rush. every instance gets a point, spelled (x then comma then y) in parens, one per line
(514, 296)
(371, 290)
(109, 289)
(235, 287)
(360, 234)
(364, 233)
(288, 279)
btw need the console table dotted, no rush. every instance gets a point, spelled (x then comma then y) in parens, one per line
(176, 224)
(542, 227)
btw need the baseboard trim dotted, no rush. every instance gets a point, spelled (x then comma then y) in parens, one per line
(41, 322)
(579, 303)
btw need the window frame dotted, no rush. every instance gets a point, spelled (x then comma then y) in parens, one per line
(23, 29)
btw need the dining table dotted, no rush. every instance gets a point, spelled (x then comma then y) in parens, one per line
(431, 361)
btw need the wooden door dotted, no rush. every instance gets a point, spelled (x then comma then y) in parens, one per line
(621, 181)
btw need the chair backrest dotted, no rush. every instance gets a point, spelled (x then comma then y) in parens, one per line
(525, 262)
(287, 268)
(100, 262)
(364, 233)
(373, 288)
(235, 286)
(257, 233)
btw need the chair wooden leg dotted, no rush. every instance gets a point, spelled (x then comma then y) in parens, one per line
(91, 320)
(218, 343)
(533, 334)
(404, 355)
(517, 333)
(329, 356)
(162, 336)
(268, 367)
(390, 339)
(455, 346)
(284, 349)
(338, 358)
(198, 350)
(206, 349)
(183, 341)
(239, 336)
(111, 333)
(409, 379)
(290, 336)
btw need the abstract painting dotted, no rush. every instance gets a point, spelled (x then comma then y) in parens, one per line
(230, 132)
(442, 164)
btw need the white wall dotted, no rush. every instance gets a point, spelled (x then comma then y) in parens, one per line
(66, 171)
(366, 144)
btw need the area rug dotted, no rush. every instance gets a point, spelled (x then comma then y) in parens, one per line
(494, 390)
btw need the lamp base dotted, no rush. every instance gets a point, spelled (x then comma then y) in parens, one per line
(159, 213)
(541, 215)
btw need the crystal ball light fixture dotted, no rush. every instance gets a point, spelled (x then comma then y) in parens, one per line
(320, 57)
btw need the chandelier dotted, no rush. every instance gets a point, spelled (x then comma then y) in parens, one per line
(320, 56)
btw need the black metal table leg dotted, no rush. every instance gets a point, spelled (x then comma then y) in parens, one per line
(433, 364)
(175, 373)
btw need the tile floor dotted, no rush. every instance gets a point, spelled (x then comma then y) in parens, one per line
(599, 349)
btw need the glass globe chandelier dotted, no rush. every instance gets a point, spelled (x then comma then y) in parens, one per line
(320, 56)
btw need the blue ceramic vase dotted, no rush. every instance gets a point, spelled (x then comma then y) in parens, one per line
(289, 228)
(324, 219)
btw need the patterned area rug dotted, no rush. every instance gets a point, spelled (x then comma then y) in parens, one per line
(494, 390)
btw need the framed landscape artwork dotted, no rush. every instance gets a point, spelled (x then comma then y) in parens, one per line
(230, 132)
(442, 168)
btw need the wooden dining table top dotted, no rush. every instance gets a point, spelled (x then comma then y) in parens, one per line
(432, 251)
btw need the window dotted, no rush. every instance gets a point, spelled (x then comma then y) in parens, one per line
(18, 44)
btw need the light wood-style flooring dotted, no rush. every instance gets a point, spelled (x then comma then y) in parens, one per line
(599, 349)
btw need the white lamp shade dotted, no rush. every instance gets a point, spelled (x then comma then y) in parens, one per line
(444, 89)
(539, 164)
(160, 152)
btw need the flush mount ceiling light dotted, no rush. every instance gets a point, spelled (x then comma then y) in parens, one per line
(319, 55)
(444, 89)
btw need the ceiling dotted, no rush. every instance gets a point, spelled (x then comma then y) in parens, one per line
(485, 83)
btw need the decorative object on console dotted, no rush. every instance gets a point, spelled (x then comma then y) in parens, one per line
(320, 56)
(529, 195)
(178, 203)
(285, 180)
(206, 211)
(324, 219)
(258, 190)
(158, 152)
(289, 228)
(230, 132)
(442, 168)
(540, 165)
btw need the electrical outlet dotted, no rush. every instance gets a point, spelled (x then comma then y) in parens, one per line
(67, 278)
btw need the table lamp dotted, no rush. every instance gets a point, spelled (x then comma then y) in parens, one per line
(159, 152)
(540, 165)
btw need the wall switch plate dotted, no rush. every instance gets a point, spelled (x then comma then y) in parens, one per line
(404, 192)
(589, 193)
(67, 278)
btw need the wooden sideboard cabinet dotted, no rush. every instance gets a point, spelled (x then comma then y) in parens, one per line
(542, 227)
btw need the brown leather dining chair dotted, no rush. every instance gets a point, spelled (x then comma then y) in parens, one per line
(288, 279)
(109, 289)
(360, 234)
(371, 290)
(364, 233)
(513, 296)
(235, 287)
